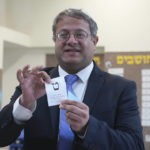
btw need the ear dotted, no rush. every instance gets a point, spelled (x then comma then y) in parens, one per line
(95, 40)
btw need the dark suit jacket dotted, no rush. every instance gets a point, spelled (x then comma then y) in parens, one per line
(114, 122)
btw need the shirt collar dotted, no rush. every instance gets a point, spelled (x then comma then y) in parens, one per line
(83, 75)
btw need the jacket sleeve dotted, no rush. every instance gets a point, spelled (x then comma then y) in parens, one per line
(9, 130)
(126, 133)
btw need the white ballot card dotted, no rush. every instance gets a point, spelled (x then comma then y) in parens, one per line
(56, 91)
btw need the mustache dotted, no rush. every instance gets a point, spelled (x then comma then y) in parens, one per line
(72, 48)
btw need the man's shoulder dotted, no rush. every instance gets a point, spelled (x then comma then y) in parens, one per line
(117, 79)
(111, 78)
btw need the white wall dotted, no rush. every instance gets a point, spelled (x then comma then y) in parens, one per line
(3, 14)
(1, 53)
(7, 34)
(123, 24)
(17, 58)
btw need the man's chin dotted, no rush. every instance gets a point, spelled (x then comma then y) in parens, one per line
(72, 61)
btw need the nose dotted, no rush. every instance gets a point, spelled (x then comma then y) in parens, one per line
(72, 39)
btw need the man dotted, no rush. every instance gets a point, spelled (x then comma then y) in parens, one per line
(105, 118)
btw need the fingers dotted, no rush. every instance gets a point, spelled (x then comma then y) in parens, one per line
(74, 117)
(75, 109)
(75, 121)
(26, 71)
(77, 114)
(36, 71)
(44, 76)
(80, 105)
(19, 76)
(41, 74)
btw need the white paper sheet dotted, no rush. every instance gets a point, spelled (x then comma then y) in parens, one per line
(145, 71)
(145, 91)
(147, 138)
(146, 85)
(146, 98)
(117, 71)
(145, 78)
(56, 91)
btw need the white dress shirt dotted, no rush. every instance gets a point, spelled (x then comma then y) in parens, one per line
(21, 113)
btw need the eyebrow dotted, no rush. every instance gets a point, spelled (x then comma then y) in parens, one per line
(77, 30)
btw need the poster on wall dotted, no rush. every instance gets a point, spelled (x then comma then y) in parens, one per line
(145, 78)
(135, 66)
(131, 65)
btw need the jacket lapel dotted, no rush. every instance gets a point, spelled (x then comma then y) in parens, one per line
(94, 86)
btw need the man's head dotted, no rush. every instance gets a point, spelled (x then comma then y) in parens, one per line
(78, 14)
(75, 37)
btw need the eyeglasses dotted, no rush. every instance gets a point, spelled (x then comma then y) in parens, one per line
(65, 35)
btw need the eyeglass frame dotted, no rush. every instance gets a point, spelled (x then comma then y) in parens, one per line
(69, 35)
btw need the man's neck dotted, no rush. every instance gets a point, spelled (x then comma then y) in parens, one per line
(72, 69)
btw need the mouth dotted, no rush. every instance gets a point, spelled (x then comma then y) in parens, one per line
(72, 50)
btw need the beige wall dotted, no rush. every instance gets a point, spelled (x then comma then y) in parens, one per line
(15, 58)
(26, 24)
(3, 14)
(1, 53)
(123, 24)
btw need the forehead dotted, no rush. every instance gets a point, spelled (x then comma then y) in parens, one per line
(72, 24)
